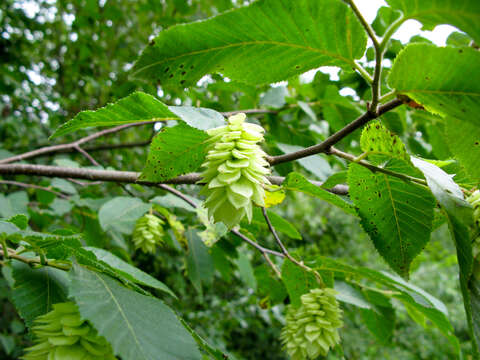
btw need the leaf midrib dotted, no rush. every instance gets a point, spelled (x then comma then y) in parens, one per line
(122, 313)
(244, 43)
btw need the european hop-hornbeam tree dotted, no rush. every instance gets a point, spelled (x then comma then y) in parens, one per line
(183, 180)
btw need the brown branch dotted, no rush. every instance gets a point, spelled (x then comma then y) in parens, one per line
(121, 176)
(324, 146)
(86, 155)
(70, 146)
(33, 186)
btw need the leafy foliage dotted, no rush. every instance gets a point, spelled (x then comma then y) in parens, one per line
(277, 37)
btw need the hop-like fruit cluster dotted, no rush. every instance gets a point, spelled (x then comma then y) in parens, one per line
(312, 329)
(474, 200)
(148, 233)
(235, 172)
(61, 334)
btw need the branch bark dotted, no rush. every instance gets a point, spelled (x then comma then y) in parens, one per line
(73, 146)
(121, 176)
(324, 146)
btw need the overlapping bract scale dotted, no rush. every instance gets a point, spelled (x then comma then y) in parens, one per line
(312, 329)
(61, 334)
(148, 233)
(235, 171)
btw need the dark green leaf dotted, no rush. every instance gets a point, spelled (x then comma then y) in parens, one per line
(199, 262)
(425, 73)
(463, 138)
(175, 151)
(463, 14)
(297, 281)
(396, 214)
(134, 274)
(297, 182)
(121, 213)
(138, 327)
(275, 39)
(36, 290)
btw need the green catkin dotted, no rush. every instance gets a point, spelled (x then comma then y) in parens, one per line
(61, 334)
(235, 171)
(148, 233)
(312, 329)
(474, 200)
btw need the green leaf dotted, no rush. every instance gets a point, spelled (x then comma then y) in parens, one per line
(246, 270)
(175, 151)
(425, 74)
(136, 107)
(13, 204)
(199, 118)
(121, 213)
(172, 201)
(297, 182)
(131, 272)
(297, 281)
(445, 190)
(409, 294)
(463, 14)
(463, 138)
(380, 320)
(316, 164)
(385, 17)
(279, 223)
(377, 139)
(459, 216)
(275, 39)
(350, 295)
(469, 283)
(199, 262)
(268, 285)
(36, 290)
(140, 107)
(396, 214)
(21, 221)
(138, 327)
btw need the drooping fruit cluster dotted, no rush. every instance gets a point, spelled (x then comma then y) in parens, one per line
(235, 172)
(148, 233)
(61, 334)
(312, 329)
(474, 200)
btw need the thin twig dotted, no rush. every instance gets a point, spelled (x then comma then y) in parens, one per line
(336, 137)
(86, 155)
(378, 58)
(32, 261)
(285, 251)
(374, 168)
(33, 186)
(72, 145)
(272, 265)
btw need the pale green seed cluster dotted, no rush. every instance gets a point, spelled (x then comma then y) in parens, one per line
(312, 329)
(148, 233)
(474, 200)
(235, 172)
(61, 334)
